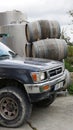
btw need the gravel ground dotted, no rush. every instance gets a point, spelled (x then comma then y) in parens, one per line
(58, 116)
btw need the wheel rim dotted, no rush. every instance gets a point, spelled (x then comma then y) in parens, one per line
(8, 108)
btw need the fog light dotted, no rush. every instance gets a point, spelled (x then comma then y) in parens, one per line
(45, 88)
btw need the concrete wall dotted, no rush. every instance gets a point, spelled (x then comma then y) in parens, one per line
(11, 17)
(16, 38)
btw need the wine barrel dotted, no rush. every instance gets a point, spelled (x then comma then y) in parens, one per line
(42, 29)
(49, 29)
(33, 31)
(55, 49)
(28, 50)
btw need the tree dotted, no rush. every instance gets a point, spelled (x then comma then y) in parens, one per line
(69, 28)
(70, 12)
(65, 36)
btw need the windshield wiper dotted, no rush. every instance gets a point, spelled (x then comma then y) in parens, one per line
(3, 56)
(13, 54)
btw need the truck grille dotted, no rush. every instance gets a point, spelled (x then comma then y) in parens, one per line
(55, 71)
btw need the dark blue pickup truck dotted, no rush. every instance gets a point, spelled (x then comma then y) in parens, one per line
(25, 81)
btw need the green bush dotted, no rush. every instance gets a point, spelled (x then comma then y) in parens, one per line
(70, 51)
(69, 59)
(70, 89)
(69, 64)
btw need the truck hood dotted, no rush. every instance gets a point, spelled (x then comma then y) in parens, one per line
(43, 63)
(40, 63)
(34, 64)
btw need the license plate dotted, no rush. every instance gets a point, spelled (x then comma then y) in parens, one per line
(59, 85)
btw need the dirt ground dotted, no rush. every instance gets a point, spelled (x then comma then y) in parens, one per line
(58, 116)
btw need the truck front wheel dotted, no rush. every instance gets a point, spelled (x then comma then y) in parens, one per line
(15, 107)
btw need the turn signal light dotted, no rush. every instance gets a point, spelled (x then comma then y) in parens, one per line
(34, 76)
(46, 87)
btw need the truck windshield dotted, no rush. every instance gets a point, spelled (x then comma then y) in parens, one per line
(6, 52)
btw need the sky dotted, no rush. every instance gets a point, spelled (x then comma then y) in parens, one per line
(40, 9)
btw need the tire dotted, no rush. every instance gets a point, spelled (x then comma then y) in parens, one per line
(46, 102)
(15, 108)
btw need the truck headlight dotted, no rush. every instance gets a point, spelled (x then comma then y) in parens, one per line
(38, 76)
(42, 76)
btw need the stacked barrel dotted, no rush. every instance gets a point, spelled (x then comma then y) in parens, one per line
(44, 41)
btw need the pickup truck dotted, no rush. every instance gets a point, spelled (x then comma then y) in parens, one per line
(24, 81)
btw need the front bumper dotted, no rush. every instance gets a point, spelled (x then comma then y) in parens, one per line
(41, 96)
(35, 88)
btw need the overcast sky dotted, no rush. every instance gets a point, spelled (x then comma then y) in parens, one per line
(40, 9)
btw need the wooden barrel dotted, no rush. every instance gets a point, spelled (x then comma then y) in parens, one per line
(42, 29)
(49, 29)
(33, 31)
(28, 50)
(55, 49)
